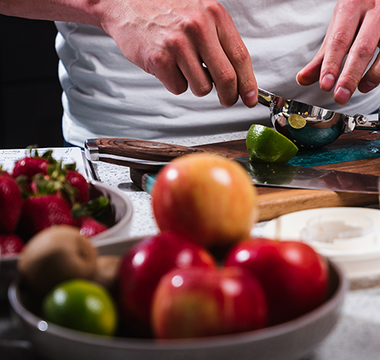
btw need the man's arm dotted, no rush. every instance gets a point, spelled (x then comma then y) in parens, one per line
(55, 10)
(169, 39)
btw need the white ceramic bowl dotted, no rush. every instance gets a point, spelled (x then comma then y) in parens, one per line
(121, 214)
(123, 211)
(288, 341)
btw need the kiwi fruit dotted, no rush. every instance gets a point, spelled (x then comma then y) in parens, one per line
(107, 271)
(54, 255)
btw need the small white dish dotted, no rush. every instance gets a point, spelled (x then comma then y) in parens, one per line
(350, 236)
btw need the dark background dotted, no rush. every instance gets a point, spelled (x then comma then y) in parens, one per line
(30, 93)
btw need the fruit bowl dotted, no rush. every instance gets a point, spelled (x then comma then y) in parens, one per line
(287, 341)
(118, 218)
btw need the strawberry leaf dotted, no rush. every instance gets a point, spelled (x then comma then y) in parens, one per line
(71, 166)
(94, 208)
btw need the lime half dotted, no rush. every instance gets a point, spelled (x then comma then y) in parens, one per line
(267, 145)
(296, 121)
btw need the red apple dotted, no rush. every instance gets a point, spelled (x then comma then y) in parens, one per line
(142, 267)
(293, 275)
(207, 197)
(194, 302)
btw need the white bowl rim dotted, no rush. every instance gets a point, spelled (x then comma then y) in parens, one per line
(122, 222)
(183, 344)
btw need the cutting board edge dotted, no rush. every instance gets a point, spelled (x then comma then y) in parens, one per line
(273, 205)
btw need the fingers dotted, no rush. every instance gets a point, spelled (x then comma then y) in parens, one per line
(339, 40)
(310, 73)
(358, 58)
(228, 60)
(240, 59)
(326, 65)
(224, 54)
(168, 73)
(183, 69)
(223, 74)
(352, 39)
(372, 78)
(216, 44)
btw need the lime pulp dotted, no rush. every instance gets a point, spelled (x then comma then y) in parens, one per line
(265, 144)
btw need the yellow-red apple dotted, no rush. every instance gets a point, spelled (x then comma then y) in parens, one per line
(207, 197)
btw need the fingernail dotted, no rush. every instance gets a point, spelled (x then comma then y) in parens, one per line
(297, 78)
(367, 86)
(342, 95)
(251, 99)
(327, 82)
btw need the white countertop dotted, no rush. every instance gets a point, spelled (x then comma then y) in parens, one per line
(143, 221)
(357, 334)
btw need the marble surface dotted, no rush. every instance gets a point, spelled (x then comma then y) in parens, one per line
(356, 336)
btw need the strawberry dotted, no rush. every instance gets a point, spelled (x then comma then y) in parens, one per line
(44, 184)
(89, 226)
(32, 164)
(40, 212)
(10, 244)
(78, 182)
(10, 203)
(87, 216)
(62, 180)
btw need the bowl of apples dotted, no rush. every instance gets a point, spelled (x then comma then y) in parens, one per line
(40, 192)
(201, 288)
(200, 311)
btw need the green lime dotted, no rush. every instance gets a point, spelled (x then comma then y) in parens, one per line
(296, 121)
(267, 145)
(81, 305)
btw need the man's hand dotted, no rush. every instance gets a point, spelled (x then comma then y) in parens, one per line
(183, 43)
(353, 31)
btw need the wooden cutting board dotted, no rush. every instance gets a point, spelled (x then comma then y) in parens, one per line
(274, 202)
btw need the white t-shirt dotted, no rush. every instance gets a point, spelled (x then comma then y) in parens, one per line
(107, 96)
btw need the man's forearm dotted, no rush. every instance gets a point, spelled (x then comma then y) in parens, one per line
(169, 39)
(83, 11)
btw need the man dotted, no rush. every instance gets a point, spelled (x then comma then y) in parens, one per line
(202, 52)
